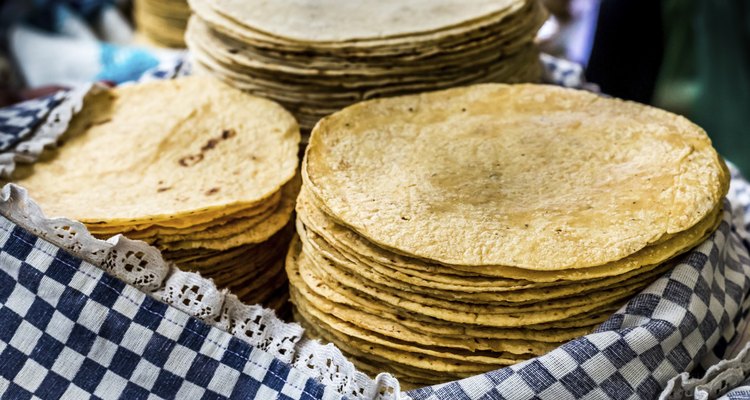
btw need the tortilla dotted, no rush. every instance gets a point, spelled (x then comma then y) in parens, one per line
(332, 60)
(184, 140)
(425, 175)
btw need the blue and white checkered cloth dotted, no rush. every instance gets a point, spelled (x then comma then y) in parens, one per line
(70, 330)
(18, 121)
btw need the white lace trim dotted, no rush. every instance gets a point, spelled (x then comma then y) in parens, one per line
(718, 380)
(142, 266)
(46, 135)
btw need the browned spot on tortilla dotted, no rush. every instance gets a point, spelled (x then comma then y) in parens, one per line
(210, 144)
(228, 133)
(193, 159)
(190, 160)
(343, 165)
(163, 189)
(212, 191)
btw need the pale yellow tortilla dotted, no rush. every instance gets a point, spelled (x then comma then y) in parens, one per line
(257, 233)
(166, 150)
(338, 26)
(499, 277)
(528, 176)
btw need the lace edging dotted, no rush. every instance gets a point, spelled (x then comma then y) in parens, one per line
(142, 266)
(719, 379)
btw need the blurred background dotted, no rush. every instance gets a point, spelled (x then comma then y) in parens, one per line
(688, 56)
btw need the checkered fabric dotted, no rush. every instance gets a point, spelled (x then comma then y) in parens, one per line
(176, 68)
(18, 121)
(562, 72)
(70, 331)
(739, 393)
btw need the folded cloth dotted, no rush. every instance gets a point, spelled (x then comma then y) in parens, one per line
(18, 121)
(63, 42)
(27, 128)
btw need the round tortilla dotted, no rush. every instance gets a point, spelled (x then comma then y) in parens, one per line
(333, 21)
(165, 150)
(528, 176)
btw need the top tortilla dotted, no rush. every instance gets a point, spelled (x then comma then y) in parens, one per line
(529, 176)
(356, 20)
(167, 150)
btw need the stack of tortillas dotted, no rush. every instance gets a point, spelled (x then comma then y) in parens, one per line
(316, 57)
(201, 170)
(450, 233)
(163, 22)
